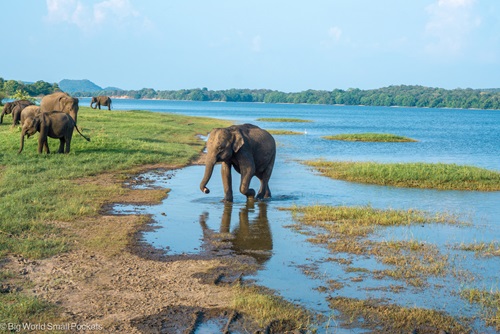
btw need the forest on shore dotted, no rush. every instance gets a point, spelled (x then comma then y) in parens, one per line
(402, 95)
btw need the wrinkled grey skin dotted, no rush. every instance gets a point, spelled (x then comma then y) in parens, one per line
(100, 101)
(15, 109)
(250, 150)
(54, 124)
(29, 111)
(60, 102)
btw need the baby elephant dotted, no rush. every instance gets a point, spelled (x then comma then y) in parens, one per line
(53, 124)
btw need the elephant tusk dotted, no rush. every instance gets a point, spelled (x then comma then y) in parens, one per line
(206, 190)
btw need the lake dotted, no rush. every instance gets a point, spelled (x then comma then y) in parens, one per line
(261, 230)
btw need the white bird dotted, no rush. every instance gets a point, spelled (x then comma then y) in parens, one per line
(305, 131)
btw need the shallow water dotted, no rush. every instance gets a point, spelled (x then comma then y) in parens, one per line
(296, 268)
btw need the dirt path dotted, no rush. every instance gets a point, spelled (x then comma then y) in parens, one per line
(111, 281)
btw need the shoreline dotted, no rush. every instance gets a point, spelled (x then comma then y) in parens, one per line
(134, 286)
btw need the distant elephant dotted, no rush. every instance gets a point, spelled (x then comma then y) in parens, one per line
(60, 102)
(15, 109)
(100, 101)
(249, 149)
(54, 124)
(29, 111)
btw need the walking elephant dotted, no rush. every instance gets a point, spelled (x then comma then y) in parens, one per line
(15, 109)
(60, 102)
(249, 149)
(53, 124)
(100, 101)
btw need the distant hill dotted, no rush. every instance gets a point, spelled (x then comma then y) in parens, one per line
(71, 86)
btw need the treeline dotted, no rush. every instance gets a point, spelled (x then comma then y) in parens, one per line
(404, 96)
(11, 87)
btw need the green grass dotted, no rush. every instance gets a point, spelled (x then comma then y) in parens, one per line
(284, 132)
(37, 190)
(413, 175)
(284, 120)
(370, 137)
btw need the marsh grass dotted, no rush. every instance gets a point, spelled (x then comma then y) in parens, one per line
(482, 248)
(370, 137)
(266, 308)
(393, 318)
(346, 229)
(284, 132)
(489, 302)
(284, 120)
(37, 190)
(412, 175)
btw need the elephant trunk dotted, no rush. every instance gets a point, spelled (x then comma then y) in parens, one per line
(23, 133)
(209, 168)
(1, 117)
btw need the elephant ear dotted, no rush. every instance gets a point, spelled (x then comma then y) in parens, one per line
(238, 140)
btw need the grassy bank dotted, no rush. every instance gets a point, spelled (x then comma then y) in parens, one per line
(38, 190)
(371, 137)
(413, 175)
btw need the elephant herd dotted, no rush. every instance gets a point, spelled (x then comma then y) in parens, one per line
(56, 117)
(248, 149)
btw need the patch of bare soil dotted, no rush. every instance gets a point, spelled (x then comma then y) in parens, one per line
(113, 281)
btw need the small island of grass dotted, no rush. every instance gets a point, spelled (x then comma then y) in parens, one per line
(284, 120)
(284, 132)
(412, 175)
(370, 137)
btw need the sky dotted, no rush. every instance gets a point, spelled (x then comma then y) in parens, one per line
(282, 45)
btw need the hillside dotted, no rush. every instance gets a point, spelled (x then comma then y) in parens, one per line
(71, 86)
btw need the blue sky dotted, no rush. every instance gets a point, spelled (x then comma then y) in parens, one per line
(283, 45)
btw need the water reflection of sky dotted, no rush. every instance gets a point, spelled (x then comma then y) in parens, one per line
(443, 137)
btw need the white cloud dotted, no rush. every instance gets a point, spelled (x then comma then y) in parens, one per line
(450, 24)
(257, 44)
(89, 17)
(335, 33)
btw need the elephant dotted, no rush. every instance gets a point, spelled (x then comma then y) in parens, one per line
(60, 101)
(249, 149)
(53, 124)
(100, 101)
(15, 108)
(29, 111)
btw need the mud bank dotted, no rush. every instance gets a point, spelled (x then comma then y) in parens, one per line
(112, 280)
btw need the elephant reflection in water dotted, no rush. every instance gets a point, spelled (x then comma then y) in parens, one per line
(251, 238)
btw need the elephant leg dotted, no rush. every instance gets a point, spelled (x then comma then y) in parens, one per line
(227, 182)
(99, 106)
(43, 145)
(247, 173)
(62, 141)
(68, 144)
(264, 191)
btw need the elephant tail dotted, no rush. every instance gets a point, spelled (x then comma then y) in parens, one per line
(86, 138)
